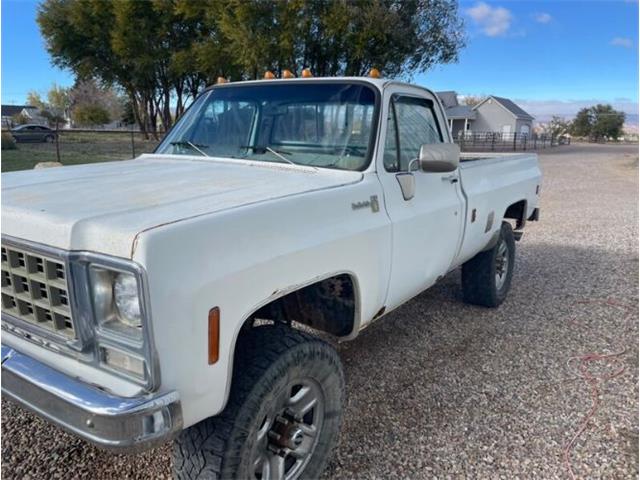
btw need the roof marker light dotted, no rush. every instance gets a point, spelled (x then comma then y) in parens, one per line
(287, 74)
(306, 73)
(220, 80)
(374, 73)
(268, 75)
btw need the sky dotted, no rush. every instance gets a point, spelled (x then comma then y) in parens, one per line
(552, 57)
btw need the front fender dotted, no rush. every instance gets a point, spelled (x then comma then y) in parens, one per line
(240, 260)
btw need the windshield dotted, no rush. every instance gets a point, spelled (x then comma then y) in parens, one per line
(315, 124)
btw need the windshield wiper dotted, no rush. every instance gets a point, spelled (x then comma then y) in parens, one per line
(187, 143)
(264, 148)
(279, 155)
(261, 149)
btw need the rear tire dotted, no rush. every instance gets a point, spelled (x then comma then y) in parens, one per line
(268, 429)
(486, 278)
(49, 139)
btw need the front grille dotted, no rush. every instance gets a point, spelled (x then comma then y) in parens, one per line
(34, 289)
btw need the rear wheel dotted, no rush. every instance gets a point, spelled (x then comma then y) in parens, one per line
(283, 416)
(486, 278)
(49, 139)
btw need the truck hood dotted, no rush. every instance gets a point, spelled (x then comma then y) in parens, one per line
(103, 207)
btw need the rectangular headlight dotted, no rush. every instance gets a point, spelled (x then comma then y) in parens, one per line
(116, 301)
(122, 334)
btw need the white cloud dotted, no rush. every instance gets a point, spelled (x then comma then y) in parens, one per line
(622, 42)
(542, 17)
(493, 21)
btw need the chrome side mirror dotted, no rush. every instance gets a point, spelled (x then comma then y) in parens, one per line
(439, 157)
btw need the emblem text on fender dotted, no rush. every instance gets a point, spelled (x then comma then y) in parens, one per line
(371, 203)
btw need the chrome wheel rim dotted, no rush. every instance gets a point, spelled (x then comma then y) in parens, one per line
(288, 434)
(502, 264)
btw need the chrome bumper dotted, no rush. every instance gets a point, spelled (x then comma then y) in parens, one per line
(108, 421)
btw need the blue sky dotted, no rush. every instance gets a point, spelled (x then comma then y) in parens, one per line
(551, 56)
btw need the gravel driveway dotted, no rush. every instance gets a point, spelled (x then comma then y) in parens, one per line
(442, 389)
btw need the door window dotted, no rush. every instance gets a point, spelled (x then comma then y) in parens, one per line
(415, 123)
(390, 158)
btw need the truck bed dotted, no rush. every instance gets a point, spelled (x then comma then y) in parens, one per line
(491, 183)
(497, 156)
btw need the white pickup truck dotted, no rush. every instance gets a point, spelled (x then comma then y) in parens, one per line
(177, 296)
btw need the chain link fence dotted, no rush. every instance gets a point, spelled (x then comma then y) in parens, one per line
(74, 147)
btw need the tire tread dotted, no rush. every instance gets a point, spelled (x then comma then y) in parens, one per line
(478, 282)
(200, 450)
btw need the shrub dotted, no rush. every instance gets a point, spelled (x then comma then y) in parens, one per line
(8, 143)
(91, 115)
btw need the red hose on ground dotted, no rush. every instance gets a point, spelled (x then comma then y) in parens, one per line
(594, 380)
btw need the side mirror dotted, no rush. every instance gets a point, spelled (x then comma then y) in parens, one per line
(439, 157)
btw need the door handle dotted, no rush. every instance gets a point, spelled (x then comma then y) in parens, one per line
(453, 178)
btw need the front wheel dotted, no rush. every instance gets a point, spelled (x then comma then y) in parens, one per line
(486, 278)
(283, 415)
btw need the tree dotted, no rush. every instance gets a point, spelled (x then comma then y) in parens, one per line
(35, 100)
(20, 119)
(598, 122)
(55, 119)
(473, 100)
(58, 98)
(400, 38)
(127, 117)
(608, 122)
(91, 115)
(57, 103)
(557, 127)
(582, 124)
(162, 52)
(55, 110)
(93, 104)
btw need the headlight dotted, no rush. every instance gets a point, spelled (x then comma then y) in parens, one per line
(125, 294)
(116, 302)
(113, 313)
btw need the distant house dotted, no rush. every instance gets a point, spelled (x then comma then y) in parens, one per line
(497, 114)
(9, 112)
(459, 116)
(493, 114)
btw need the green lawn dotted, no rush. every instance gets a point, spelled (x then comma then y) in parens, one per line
(76, 148)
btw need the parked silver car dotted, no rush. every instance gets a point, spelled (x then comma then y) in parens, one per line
(33, 133)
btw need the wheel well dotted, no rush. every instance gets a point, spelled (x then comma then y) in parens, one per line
(518, 212)
(328, 305)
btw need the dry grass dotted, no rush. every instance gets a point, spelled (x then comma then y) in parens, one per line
(76, 148)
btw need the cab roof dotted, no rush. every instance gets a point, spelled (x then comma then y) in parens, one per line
(378, 83)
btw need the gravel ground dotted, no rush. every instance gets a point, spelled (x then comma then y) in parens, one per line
(442, 389)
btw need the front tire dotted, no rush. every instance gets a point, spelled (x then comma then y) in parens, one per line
(283, 415)
(486, 278)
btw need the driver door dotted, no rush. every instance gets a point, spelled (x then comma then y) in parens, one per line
(426, 228)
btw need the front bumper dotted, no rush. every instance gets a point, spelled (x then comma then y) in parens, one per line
(108, 421)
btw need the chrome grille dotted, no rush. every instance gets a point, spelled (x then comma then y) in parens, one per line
(34, 289)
